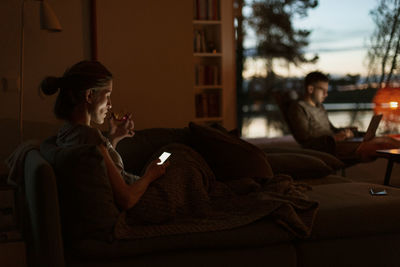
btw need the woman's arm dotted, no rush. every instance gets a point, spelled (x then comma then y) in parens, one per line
(126, 195)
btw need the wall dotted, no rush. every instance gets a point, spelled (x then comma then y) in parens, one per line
(45, 53)
(148, 46)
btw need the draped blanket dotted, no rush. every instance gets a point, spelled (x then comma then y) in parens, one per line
(189, 198)
(15, 162)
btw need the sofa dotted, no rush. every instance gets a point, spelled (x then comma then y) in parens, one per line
(351, 228)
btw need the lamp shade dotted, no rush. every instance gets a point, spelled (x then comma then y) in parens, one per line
(387, 102)
(49, 20)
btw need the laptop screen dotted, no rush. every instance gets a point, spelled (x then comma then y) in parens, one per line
(372, 127)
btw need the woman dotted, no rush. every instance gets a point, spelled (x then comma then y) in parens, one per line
(188, 198)
(85, 98)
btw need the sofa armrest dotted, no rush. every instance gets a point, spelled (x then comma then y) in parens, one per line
(43, 227)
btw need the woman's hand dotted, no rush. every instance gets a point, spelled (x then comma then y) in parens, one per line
(154, 171)
(120, 130)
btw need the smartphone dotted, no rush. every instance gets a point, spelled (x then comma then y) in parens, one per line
(164, 156)
(377, 192)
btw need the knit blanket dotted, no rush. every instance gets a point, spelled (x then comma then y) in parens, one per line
(189, 198)
(16, 160)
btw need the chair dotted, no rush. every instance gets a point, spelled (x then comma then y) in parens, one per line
(326, 143)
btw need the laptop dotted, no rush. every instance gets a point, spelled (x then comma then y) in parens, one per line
(371, 130)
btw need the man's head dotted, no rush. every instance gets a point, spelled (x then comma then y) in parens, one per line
(316, 87)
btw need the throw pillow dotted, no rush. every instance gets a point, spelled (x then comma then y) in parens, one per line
(299, 166)
(86, 198)
(233, 132)
(228, 156)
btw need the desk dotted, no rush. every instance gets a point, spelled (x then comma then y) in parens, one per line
(393, 155)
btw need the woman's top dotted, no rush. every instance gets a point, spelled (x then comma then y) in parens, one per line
(76, 134)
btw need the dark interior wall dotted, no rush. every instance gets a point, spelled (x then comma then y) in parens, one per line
(148, 46)
(45, 53)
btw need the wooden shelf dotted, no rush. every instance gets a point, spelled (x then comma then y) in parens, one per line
(207, 119)
(207, 59)
(200, 87)
(214, 96)
(204, 54)
(207, 22)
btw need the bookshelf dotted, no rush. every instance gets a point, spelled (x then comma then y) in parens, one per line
(207, 58)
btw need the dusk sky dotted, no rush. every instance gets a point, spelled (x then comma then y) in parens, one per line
(340, 32)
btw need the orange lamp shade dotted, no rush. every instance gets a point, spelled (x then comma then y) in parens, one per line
(387, 102)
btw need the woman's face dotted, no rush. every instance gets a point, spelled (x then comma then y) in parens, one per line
(101, 104)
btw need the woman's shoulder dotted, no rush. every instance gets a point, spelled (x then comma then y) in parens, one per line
(77, 134)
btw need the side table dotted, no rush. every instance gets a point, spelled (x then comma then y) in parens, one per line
(393, 155)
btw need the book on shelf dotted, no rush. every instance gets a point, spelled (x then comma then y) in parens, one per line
(207, 104)
(199, 41)
(203, 41)
(206, 9)
(212, 74)
(215, 11)
(201, 109)
(202, 9)
(210, 11)
(206, 74)
(199, 74)
(213, 104)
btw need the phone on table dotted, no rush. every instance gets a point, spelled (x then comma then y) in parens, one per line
(164, 156)
(377, 192)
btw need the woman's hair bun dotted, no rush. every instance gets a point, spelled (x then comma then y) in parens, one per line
(50, 85)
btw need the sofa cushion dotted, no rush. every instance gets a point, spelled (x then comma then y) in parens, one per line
(366, 251)
(349, 210)
(299, 166)
(327, 158)
(282, 254)
(330, 179)
(267, 232)
(137, 150)
(86, 199)
(228, 156)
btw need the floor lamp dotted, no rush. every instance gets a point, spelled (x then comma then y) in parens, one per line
(48, 21)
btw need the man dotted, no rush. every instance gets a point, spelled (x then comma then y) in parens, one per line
(310, 125)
